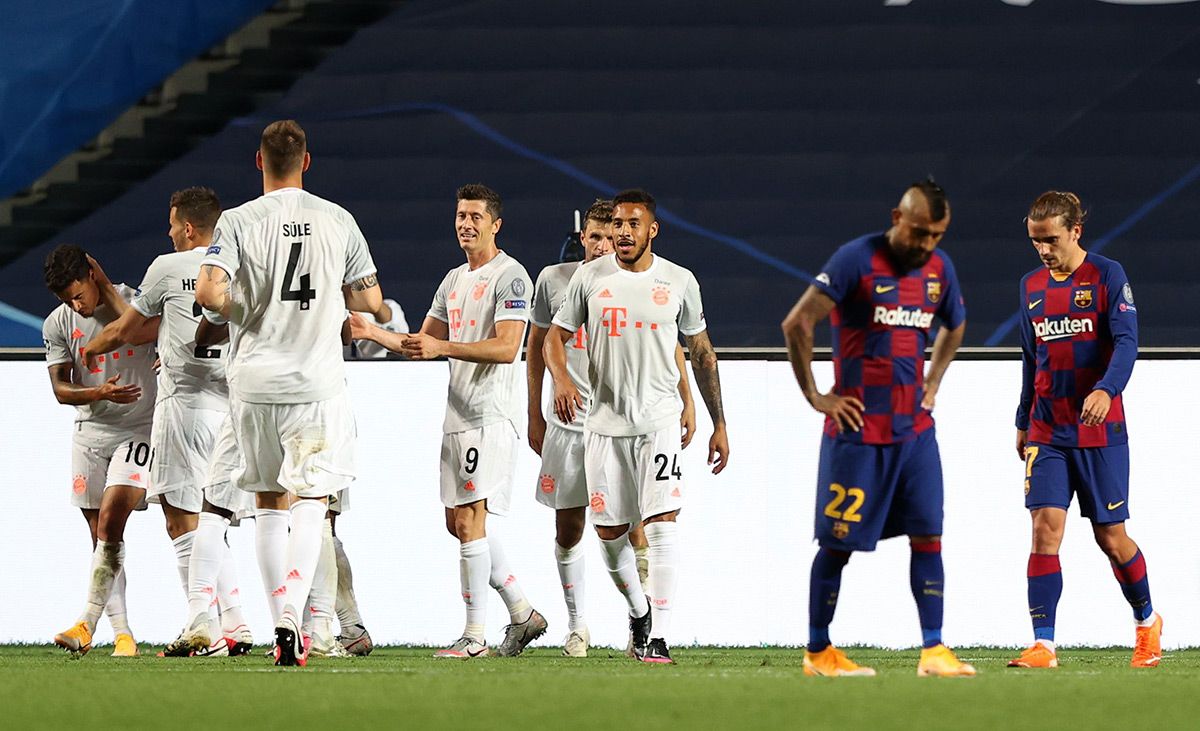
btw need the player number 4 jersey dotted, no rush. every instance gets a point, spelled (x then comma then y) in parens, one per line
(1078, 335)
(471, 302)
(632, 322)
(288, 253)
(882, 324)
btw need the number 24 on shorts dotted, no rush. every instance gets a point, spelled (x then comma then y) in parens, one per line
(833, 508)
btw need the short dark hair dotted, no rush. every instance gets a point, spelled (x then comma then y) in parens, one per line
(198, 206)
(639, 196)
(480, 192)
(935, 197)
(67, 263)
(283, 146)
(600, 211)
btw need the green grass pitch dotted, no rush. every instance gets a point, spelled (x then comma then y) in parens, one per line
(40, 687)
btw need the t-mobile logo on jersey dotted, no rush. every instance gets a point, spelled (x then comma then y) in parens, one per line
(616, 320)
(579, 342)
(456, 319)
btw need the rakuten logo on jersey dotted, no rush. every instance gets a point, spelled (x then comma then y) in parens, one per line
(903, 317)
(1063, 327)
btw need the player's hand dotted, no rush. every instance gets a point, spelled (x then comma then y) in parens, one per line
(110, 391)
(89, 358)
(420, 346)
(537, 432)
(930, 397)
(158, 366)
(1022, 442)
(687, 424)
(360, 329)
(1095, 408)
(846, 411)
(98, 273)
(718, 449)
(566, 401)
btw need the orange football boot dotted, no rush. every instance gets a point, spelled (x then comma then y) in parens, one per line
(939, 661)
(1037, 656)
(77, 640)
(1147, 650)
(832, 663)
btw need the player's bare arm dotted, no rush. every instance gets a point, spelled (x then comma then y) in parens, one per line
(566, 393)
(74, 394)
(131, 327)
(535, 371)
(945, 346)
(687, 419)
(212, 290)
(209, 334)
(108, 291)
(364, 295)
(503, 347)
(798, 330)
(708, 382)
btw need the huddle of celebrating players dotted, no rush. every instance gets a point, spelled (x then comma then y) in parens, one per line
(262, 427)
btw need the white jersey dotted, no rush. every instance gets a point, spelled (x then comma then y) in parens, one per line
(548, 296)
(193, 374)
(471, 303)
(288, 254)
(363, 349)
(65, 332)
(633, 321)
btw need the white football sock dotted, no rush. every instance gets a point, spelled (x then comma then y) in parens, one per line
(503, 581)
(323, 594)
(642, 553)
(663, 538)
(1048, 644)
(115, 609)
(107, 562)
(346, 604)
(621, 563)
(474, 566)
(229, 594)
(270, 541)
(570, 571)
(208, 553)
(183, 558)
(303, 553)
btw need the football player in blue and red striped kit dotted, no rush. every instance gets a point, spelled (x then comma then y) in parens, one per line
(880, 474)
(1078, 344)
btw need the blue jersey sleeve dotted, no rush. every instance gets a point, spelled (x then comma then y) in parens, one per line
(1028, 362)
(953, 310)
(840, 275)
(1122, 323)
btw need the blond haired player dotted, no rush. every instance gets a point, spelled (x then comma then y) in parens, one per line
(282, 269)
(110, 453)
(477, 321)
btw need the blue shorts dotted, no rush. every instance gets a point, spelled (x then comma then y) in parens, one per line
(867, 492)
(1098, 475)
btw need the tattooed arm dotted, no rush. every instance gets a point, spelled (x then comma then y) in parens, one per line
(212, 291)
(364, 294)
(708, 382)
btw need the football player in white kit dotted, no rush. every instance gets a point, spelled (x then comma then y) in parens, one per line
(282, 269)
(477, 321)
(110, 453)
(561, 484)
(633, 305)
(192, 406)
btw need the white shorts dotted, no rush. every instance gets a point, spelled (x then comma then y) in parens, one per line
(633, 478)
(304, 449)
(123, 460)
(183, 439)
(340, 503)
(478, 464)
(219, 488)
(561, 483)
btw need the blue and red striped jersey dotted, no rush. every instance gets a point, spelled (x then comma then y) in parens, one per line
(882, 324)
(1078, 335)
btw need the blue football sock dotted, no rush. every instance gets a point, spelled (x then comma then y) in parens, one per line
(1135, 585)
(927, 578)
(825, 582)
(1045, 589)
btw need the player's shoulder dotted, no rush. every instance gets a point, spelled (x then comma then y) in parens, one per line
(559, 273)
(668, 269)
(1036, 278)
(508, 264)
(315, 202)
(858, 252)
(1105, 266)
(58, 319)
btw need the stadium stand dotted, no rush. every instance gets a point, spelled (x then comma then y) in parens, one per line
(770, 132)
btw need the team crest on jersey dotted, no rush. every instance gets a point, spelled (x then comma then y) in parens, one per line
(480, 288)
(661, 295)
(1083, 298)
(933, 290)
(841, 529)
